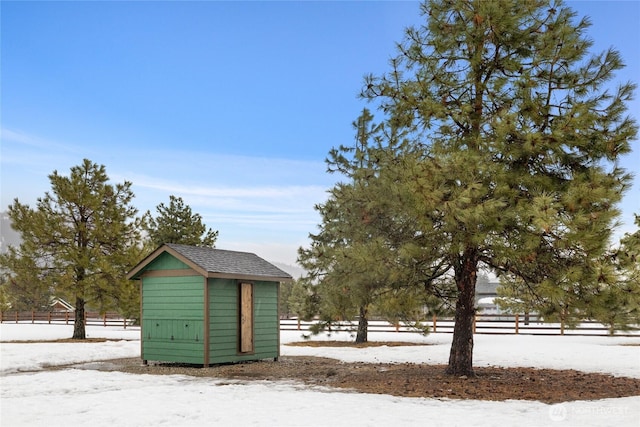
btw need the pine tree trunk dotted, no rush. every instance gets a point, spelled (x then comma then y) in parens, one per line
(612, 328)
(461, 354)
(363, 326)
(79, 332)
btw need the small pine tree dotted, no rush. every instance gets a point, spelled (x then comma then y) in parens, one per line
(617, 302)
(303, 301)
(177, 223)
(340, 254)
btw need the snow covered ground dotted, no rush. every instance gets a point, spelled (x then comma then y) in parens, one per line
(31, 396)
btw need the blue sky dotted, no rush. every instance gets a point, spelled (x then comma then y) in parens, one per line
(232, 106)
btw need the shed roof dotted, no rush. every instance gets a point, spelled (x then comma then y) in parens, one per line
(211, 262)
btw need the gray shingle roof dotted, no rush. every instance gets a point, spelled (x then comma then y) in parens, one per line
(226, 262)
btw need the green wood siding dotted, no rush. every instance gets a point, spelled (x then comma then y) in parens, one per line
(166, 261)
(223, 320)
(173, 314)
(172, 319)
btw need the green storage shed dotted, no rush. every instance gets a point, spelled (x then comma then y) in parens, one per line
(208, 306)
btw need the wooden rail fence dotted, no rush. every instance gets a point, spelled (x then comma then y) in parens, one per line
(484, 324)
(90, 318)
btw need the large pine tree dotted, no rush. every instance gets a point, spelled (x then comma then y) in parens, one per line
(514, 136)
(81, 239)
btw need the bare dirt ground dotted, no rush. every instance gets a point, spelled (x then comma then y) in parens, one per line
(410, 380)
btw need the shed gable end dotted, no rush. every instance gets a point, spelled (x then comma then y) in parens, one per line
(166, 261)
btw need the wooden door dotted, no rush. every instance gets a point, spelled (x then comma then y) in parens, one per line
(246, 318)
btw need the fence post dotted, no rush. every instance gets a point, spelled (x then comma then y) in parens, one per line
(125, 322)
(104, 320)
(33, 317)
(17, 317)
(434, 320)
(1, 319)
(66, 317)
(517, 323)
(49, 317)
(299, 323)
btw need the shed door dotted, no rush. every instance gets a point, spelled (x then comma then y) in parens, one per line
(246, 317)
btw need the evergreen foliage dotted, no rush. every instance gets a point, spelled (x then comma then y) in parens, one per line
(346, 285)
(284, 307)
(177, 223)
(301, 302)
(498, 152)
(617, 302)
(25, 287)
(366, 257)
(77, 243)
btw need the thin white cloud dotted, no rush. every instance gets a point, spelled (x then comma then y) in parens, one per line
(247, 201)
(10, 135)
(227, 192)
(265, 204)
(260, 219)
(11, 138)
